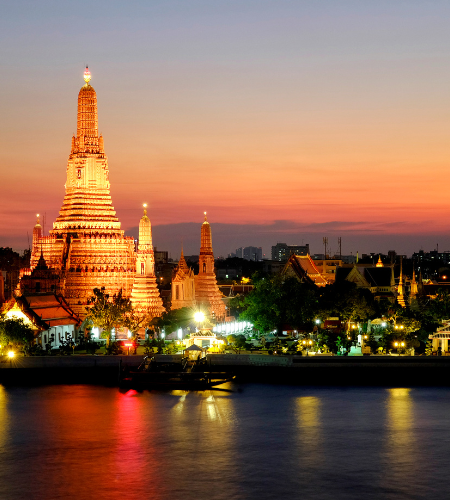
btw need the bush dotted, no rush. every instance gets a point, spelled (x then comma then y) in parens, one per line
(114, 349)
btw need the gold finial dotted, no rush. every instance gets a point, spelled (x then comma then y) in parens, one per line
(205, 215)
(145, 208)
(37, 221)
(87, 75)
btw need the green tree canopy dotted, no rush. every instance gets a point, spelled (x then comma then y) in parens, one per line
(107, 312)
(278, 300)
(15, 331)
(345, 300)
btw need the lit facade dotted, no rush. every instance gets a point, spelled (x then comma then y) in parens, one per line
(183, 285)
(207, 294)
(145, 294)
(87, 247)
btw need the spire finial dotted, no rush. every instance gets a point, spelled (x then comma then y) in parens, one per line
(37, 219)
(205, 215)
(87, 75)
(145, 208)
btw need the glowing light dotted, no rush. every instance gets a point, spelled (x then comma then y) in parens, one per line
(87, 75)
(11, 354)
(317, 321)
(199, 317)
(383, 324)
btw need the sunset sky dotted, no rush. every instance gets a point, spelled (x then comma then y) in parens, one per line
(284, 120)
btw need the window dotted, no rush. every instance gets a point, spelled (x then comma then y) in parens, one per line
(204, 267)
(177, 292)
(142, 268)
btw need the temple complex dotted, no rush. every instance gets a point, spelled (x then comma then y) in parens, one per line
(183, 285)
(207, 294)
(145, 294)
(86, 248)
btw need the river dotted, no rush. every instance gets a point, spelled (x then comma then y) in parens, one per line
(250, 441)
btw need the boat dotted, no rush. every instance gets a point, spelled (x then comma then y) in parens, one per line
(172, 372)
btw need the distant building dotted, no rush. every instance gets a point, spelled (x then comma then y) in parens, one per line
(327, 268)
(282, 251)
(239, 253)
(379, 280)
(253, 253)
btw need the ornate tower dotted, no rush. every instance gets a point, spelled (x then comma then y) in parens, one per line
(207, 293)
(183, 285)
(414, 288)
(37, 235)
(86, 246)
(401, 289)
(145, 294)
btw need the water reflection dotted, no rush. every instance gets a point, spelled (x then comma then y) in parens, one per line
(309, 424)
(401, 442)
(4, 419)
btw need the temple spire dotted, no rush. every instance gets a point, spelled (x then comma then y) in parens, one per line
(400, 289)
(87, 75)
(87, 120)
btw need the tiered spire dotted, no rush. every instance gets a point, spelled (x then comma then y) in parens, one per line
(87, 203)
(400, 289)
(145, 294)
(207, 293)
(86, 248)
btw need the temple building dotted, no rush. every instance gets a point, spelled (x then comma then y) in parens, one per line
(145, 294)
(183, 285)
(303, 268)
(86, 248)
(207, 294)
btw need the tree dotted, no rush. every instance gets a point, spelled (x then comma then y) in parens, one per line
(346, 300)
(440, 306)
(15, 332)
(278, 300)
(177, 318)
(107, 312)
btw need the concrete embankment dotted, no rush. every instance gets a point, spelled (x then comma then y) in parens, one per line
(337, 370)
(298, 370)
(64, 369)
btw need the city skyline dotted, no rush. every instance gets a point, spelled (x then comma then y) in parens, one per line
(285, 122)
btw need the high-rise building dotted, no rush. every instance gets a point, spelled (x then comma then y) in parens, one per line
(253, 253)
(281, 251)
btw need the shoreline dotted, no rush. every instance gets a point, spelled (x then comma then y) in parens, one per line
(290, 370)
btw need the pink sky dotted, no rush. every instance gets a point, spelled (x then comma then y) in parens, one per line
(332, 118)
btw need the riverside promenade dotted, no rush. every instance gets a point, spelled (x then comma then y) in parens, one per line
(391, 371)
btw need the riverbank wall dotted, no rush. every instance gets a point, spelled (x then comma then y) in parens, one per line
(337, 370)
(388, 371)
(64, 369)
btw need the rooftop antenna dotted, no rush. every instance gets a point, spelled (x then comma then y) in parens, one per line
(325, 244)
(340, 247)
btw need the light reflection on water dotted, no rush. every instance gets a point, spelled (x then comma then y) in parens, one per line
(262, 442)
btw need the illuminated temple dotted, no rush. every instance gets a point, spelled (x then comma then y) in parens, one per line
(207, 293)
(86, 248)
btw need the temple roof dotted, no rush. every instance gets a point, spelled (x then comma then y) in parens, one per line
(304, 268)
(47, 310)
